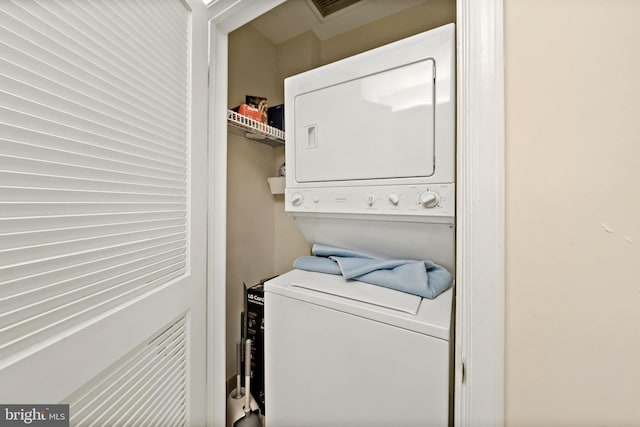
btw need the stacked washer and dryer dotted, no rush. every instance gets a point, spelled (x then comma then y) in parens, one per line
(370, 154)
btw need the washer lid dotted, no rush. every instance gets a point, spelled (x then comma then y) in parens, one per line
(430, 317)
(364, 292)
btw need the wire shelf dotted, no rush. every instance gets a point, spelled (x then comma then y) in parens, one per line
(256, 130)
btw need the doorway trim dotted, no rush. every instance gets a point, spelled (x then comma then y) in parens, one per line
(480, 322)
(479, 335)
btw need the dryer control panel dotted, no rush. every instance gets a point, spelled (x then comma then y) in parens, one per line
(415, 200)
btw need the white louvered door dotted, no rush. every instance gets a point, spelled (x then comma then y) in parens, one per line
(103, 208)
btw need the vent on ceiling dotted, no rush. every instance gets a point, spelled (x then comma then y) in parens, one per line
(328, 7)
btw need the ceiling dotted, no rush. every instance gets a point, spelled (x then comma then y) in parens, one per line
(294, 17)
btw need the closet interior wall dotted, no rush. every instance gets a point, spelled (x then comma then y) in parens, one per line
(262, 240)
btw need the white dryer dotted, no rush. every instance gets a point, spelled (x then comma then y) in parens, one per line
(370, 155)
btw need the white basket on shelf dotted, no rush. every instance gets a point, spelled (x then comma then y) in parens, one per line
(254, 126)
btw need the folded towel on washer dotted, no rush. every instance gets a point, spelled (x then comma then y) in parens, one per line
(422, 278)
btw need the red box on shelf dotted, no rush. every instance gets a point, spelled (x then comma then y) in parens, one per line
(250, 111)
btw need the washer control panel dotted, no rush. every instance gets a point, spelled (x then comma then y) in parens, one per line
(422, 200)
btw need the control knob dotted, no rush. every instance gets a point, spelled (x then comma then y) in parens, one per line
(296, 199)
(394, 199)
(429, 199)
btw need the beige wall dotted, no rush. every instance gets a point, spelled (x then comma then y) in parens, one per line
(250, 215)
(573, 212)
(297, 55)
(408, 22)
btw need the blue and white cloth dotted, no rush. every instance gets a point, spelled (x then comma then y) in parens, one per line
(422, 278)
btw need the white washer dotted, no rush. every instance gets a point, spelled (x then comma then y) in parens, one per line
(370, 152)
(344, 353)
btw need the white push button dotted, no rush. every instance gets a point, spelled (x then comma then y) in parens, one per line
(371, 199)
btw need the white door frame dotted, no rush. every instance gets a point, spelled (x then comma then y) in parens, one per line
(479, 349)
(479, 393)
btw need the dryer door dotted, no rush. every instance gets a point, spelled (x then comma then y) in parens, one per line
(374, 127)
